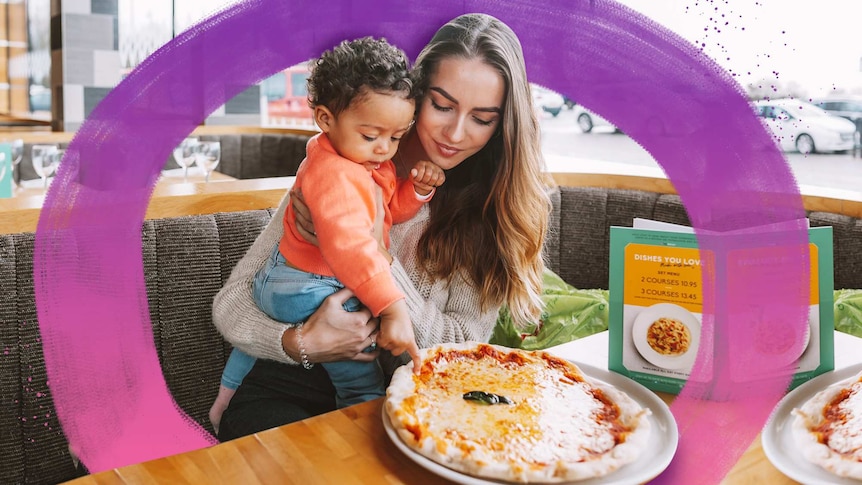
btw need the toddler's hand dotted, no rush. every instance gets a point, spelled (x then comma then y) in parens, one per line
(425, 176)
(396, 333)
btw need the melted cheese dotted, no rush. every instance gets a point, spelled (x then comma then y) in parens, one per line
(526, 432)
(845, 433)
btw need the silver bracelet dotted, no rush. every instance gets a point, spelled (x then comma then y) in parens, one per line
(302, 355)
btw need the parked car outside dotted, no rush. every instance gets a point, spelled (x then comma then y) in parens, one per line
(849, 107)
(547, 100)
(587, 120)
(804, 127)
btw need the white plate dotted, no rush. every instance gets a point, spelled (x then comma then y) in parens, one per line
(777, 438)
(667, 310)
(657, 454)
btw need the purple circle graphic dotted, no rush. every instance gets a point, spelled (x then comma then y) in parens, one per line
(679, 105)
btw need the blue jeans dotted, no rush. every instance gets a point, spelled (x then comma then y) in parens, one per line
(290, 295)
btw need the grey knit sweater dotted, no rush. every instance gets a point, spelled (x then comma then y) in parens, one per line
(441, 311)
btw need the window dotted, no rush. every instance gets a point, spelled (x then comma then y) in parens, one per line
(275, 86)
(36, 63)
(298, 83)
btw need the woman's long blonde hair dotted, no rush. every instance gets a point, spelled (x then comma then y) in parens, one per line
(489, 219)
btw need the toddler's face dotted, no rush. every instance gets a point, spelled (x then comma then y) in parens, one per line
(369, 130)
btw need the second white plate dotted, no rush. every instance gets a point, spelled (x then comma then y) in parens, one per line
(777, 438)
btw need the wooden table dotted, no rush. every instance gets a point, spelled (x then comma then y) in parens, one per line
(169, 177)
(171, 197)
(350, 446)
(347, 446)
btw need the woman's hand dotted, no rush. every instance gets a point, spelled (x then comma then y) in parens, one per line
(304, 224)
(331, 333)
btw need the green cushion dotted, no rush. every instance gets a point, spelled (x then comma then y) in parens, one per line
(569, 314)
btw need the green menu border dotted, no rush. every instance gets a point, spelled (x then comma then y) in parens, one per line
(620, 237)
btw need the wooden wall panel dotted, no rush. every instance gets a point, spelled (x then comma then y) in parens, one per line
(17, 14)
(3, 30)
(15, 99)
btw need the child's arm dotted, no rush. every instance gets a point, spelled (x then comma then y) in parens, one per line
(396, 332)
(411, 194)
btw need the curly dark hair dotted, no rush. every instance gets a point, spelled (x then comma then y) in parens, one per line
(339, 75)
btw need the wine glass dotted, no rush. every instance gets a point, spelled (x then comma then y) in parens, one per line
(44, 163)
(208, 156)
(184, 154)
(3, 165)
(17, 154)
(17, 148)
(56, 156)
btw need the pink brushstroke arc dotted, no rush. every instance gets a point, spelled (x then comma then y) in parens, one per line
(109, 391)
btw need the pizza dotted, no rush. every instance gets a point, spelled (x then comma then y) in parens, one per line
(828, 428)
(513, 415)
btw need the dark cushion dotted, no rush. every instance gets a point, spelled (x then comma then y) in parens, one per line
(585, 219)
(186, 261)
(847, 247)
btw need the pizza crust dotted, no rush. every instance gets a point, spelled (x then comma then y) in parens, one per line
(808, 418)
(506, 427)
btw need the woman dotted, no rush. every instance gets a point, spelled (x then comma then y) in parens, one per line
(477, 244)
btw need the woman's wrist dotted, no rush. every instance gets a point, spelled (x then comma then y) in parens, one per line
(303, 354)
(294, 345)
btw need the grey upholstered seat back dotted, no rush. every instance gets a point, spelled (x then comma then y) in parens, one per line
(186, 261)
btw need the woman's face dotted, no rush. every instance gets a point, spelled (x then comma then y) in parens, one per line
(461, 110)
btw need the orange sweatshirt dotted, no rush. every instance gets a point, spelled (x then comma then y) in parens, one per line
(340, 195)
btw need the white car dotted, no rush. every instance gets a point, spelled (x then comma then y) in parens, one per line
(804, 127)
(547, 100)
(587, 120)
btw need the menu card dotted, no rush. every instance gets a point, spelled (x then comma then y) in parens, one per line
(656, 304)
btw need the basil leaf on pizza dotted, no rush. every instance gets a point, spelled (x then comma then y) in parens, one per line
(560, 425)
(486, 397)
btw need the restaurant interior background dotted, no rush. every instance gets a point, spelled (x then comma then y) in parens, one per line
(57, 82)
(55, 86)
